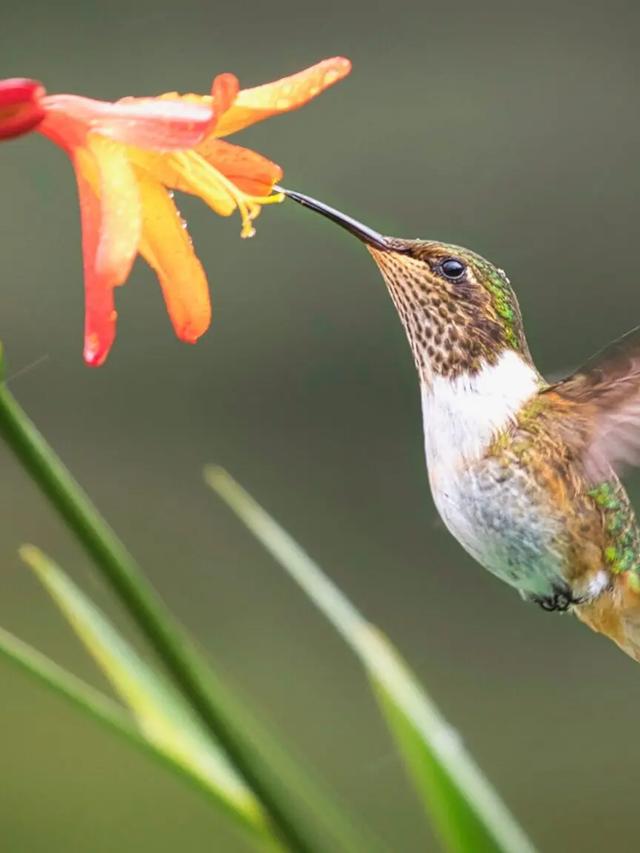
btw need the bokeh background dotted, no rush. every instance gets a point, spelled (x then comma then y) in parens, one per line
(511, 128)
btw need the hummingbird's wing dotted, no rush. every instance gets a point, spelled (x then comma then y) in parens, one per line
(606, 395)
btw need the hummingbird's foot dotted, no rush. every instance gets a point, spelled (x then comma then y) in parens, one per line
(562, 597)
(560, 600)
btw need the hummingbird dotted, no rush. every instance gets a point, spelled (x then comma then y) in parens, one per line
(523, 472)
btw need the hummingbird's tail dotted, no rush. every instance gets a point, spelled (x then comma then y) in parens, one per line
(616, 613)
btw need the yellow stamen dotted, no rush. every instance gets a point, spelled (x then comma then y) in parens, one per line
(190, 172)
(248, 205)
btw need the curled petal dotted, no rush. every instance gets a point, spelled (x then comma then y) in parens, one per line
(289, 93)
(167, 248)
(20, 106)
(224, 91)
(249, 171)
(159, 124)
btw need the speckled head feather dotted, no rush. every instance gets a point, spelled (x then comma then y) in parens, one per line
(454, 323)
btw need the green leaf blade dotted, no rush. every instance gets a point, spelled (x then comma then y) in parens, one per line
(466, 811)
(163, 716)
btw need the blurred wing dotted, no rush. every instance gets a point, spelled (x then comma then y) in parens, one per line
(606, 392)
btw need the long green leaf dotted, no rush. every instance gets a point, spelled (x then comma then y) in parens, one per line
(96, 706)
(165, 719)
(278, 782)
(466, 810)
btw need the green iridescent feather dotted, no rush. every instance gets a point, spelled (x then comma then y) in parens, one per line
(623, 536)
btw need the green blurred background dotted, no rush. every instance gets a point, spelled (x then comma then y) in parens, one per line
(511, 128)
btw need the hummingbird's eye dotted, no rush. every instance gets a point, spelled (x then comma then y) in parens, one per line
(453, 269)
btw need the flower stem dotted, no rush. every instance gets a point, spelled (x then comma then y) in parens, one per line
(208, 697)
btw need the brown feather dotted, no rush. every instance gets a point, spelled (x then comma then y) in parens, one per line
(606, 391)
(616, 614)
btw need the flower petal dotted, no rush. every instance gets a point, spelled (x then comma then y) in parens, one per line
(121, 216)
(224, 90)
(20, 106)
(156, 123)
(111, 226)
(249, 171)
(289, 93)
(188, 172)
(100, 314)
(167, 248)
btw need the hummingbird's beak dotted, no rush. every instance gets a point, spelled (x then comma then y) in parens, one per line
(362, 232)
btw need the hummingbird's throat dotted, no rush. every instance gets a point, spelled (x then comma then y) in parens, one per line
(451, 330)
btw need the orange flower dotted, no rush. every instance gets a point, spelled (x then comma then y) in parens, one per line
(129, 155)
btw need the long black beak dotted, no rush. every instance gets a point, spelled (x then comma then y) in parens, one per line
(362, 232)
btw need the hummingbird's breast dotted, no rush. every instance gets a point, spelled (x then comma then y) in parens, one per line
(505, 522)
(499, 505)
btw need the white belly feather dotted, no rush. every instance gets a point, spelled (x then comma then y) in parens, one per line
(462, 415)
(491, 518)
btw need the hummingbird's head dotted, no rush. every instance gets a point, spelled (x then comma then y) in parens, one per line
(458, 310)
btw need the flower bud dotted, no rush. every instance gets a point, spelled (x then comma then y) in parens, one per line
(20, 106)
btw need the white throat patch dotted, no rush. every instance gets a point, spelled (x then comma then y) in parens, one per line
(462, 415)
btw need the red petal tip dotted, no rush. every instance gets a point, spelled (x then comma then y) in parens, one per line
(96, 351)
(189, 335)
(21, 109)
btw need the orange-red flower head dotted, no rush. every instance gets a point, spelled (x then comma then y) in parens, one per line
(130, 155)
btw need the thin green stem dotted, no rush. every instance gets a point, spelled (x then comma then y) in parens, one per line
(198, 684)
